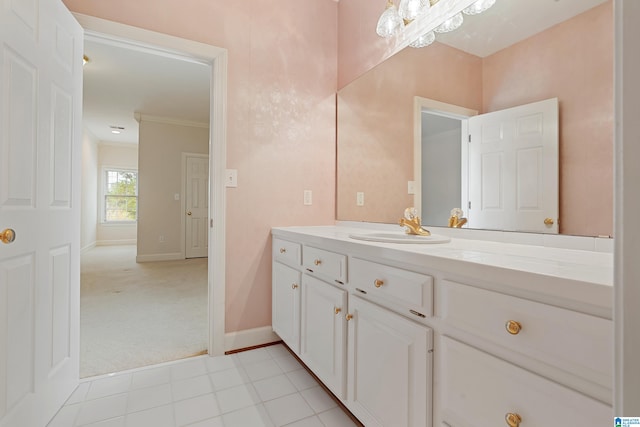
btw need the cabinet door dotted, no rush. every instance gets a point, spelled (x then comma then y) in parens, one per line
(389, 356)
(285, 300)
(323, 335)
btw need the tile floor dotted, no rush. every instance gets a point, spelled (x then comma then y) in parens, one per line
(262, 387)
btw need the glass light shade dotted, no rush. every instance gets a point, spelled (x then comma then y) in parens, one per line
(478, 7)
(450, 24)
(411, 9)
(424, 40)
(390, 21)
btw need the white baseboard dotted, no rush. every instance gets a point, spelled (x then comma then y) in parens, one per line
(249, 338)
(88, 247)
(159, 257)
(116, 242)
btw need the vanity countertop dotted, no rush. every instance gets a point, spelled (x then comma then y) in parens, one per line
(572, 278)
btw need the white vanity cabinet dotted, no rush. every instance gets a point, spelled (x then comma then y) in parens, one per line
(389, 368)
(285, 292)
(407, 336)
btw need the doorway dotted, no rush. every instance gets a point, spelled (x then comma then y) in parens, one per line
(215, 58)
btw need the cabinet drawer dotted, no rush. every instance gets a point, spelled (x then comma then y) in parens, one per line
(404, 290)
(574, 342)
(331, 265)
(480, 390)
(286, 252)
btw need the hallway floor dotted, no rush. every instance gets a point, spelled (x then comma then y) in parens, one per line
(262, 387)
(137, 314)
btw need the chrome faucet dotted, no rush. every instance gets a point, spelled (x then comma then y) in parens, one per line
(411, 220)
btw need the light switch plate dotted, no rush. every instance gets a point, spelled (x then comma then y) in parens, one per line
(307, 197)
(411, 187)
(360, 198)
(231, 179)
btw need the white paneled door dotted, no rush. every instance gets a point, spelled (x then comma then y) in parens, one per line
(513, 168)
(197, 206)
(40, 119)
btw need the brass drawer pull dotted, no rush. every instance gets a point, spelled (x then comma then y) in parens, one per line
(283, 250)
(294, 286)
(317, 262)
(378, 283)
(513, 327)
(513, 420)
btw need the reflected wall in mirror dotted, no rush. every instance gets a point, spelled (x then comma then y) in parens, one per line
(572, 60)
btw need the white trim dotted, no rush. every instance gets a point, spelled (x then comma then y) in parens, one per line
(115, 242)
(626, 316)
(88, 247)
(441, 109)
(168, 120)
(250, 338)
(216, 58)
(171, 256)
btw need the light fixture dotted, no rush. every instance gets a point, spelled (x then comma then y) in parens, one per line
(411, 9)
(478, 7)
(450, 24)
(116, 129)
(424, 40)
(390, 21)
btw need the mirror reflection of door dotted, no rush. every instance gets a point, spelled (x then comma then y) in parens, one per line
(501, 167)
(196, 205)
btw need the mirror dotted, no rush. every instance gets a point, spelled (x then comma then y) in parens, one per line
(516, 53)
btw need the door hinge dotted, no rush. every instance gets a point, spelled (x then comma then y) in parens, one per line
(211, 223)
(469, 206)
(469, 137)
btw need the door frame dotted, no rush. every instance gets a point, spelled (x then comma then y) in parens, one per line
(183, 199)
(439, 108)
(216, 58)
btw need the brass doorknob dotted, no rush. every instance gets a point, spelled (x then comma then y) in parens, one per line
(548, 221)
(282, 250)
(513, 420)
(8, 235)
(337, 310)
(317, 262)
(378, 283)
(294, 286)
(513, 327)
(349, 316)
(189, 213)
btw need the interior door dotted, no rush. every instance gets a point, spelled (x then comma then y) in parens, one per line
(513, 168)
(40, 119)
(197, 206)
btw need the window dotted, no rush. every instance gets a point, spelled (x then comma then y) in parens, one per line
(120, 195)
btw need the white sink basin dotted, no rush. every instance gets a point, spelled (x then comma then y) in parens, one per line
(400, 238)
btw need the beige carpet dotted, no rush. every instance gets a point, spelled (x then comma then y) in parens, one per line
(134, 315)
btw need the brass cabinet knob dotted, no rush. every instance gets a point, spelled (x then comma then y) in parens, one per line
(548, 221)
(337, 310)
(282, 250)
(8, 235)
(378, 283)
(294, 286)
(513, 420)
(317, 262)
(513, 327)
(189, 213)
(349, 316)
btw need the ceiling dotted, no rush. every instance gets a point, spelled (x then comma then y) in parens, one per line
(121, 81)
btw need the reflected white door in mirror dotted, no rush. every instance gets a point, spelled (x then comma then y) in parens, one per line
(434, 335)
(500, 167)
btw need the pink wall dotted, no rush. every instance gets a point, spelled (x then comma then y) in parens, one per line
(574, 62)
(281, 121)
(375, 132)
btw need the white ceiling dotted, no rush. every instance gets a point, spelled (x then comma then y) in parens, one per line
(510, 21)
(119, 81)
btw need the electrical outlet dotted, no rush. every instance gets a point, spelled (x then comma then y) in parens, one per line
(231, 178)
(411, 187)
(307, 197)
(160, 239)
(360, 198)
